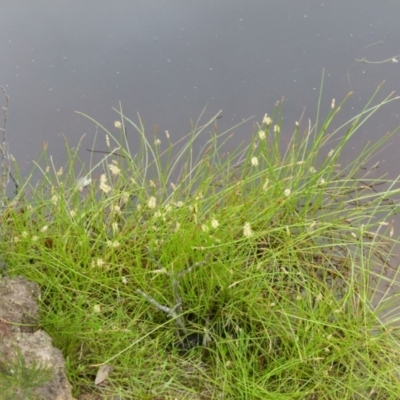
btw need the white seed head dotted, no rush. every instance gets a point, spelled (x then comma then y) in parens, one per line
(267, 120)
(97, 308)
(103, 184)
(247, 232)
(214, 223)
(152, 202)
(204, 228)
(254, 161)
(100, 262)
(321, 182)
(113, 243)
(114, 169)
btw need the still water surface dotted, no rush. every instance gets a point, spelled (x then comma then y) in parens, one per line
(167, 60)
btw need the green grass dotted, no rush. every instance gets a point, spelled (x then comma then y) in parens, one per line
(254, 273)
(18, 380)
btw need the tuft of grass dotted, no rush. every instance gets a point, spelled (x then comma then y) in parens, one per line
(19, 380)
(251, 273)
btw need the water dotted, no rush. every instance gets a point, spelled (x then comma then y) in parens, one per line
(168, 61)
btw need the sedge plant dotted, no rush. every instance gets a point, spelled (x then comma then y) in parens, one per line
(252, 273)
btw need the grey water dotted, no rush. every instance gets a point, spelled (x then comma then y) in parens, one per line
(167, 60)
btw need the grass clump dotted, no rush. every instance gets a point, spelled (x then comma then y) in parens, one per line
(252, 274)
(18, 380)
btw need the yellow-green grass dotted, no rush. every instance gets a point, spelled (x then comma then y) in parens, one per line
(245, 274)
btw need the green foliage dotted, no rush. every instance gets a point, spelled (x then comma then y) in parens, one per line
(18, 380)
(251, 273)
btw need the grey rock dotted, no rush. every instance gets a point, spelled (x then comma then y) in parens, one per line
(24, 346)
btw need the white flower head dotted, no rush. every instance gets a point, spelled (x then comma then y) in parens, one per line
(158, 214)
(118, 124)
(114, 169)
(247, 232)
(267, 120)
(287, 192)
(152, 202)
(103, 184)
(115, 208)
(100, 262)
(262, 135)
(254, 161)
(321, 182)
(214, 223)
(97, 308)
